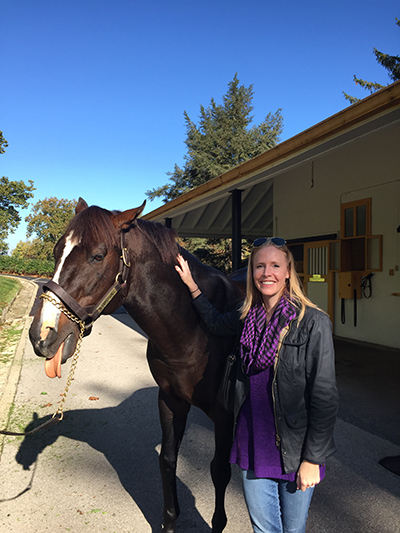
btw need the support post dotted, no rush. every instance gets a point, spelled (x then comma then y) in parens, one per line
(236, 228)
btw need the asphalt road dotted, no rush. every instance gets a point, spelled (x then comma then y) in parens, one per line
(97, 470)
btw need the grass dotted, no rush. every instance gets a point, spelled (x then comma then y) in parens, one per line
(8, 290)
(9, 338)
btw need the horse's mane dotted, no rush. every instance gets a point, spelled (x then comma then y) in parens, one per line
(163, 238)
(94, 224)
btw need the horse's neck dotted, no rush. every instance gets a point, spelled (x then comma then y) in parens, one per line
(158, 301)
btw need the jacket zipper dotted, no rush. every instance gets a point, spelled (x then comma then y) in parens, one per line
(277, 437)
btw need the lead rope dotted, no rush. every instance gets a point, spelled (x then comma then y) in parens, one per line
(59, 414)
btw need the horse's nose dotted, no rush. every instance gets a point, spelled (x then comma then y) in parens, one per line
(42, 346)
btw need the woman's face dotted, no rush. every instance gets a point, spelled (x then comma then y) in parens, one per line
(270, 271)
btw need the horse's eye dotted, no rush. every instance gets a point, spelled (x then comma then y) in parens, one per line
(97, 258)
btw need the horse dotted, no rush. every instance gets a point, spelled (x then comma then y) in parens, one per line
(117, 258)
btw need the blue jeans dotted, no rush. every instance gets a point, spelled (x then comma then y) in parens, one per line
(275, 505)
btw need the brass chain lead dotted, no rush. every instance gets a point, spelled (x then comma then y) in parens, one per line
(81, 324)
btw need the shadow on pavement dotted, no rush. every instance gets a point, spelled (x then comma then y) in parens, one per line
(127, 435)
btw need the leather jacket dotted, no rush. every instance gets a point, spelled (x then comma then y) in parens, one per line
(304, 392)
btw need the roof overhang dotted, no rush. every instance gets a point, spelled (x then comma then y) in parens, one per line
(206, 210)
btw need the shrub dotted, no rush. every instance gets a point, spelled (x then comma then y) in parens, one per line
(27, 267)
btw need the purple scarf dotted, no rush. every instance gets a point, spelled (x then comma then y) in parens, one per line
(259, 341)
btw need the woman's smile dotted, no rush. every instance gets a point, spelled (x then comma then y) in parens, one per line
(270, 271)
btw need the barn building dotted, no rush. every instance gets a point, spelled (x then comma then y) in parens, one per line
(333, 192)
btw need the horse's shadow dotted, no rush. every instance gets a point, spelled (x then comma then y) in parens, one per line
(128, 436)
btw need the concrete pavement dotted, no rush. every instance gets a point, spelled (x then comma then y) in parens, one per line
(97, 470)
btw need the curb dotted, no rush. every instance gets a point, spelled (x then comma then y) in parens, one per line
(8, 395)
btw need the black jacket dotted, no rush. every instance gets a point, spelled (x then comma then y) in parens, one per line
(304, 391)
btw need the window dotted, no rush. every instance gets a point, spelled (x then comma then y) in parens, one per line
(359, 250)
(356, 219)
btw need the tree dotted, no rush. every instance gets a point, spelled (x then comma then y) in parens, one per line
(13, 195)
(26, 250)
(3, 143)
(222, 139)
(48, 221)
(390, 63)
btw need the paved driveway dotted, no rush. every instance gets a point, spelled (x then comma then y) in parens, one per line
(97, 470)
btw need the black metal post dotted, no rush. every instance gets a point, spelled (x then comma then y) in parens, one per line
(236, 229)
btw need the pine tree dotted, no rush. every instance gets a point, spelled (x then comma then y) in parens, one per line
(221, 140)
(390, 63)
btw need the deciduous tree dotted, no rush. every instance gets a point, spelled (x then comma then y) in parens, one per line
(48, 221)
(14, 195)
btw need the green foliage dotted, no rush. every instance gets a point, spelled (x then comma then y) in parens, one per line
(216, 252)
(3, 143)
(29, 267)
(222, 139)
(48, 221)
(13, 195)
(390, 63)
(33, 250)
(25, 250)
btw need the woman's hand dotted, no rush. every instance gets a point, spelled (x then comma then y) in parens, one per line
(186, 276)
(307, 476)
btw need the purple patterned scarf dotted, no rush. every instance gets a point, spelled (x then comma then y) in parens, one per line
(259, 341)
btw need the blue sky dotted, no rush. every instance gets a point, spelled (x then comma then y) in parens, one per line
(93, 91)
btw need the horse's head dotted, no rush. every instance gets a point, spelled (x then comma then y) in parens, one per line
(88, 265)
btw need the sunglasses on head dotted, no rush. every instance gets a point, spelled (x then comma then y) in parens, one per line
(278, 241)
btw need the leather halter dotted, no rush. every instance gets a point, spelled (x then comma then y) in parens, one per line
(86, 315)
(91, 313)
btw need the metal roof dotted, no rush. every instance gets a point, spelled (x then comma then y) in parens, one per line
(206, 210)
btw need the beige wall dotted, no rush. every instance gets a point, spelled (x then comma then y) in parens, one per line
(366, 167)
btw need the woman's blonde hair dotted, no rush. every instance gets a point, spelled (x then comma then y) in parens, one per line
(293, 286)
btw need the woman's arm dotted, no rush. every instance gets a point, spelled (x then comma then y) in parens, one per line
(186, 276)
(216, 322)
(323, 394)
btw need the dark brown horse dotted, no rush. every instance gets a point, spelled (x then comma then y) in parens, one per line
(185, 360)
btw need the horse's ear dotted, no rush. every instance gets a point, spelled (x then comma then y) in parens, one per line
(124, 219)
(80, 206)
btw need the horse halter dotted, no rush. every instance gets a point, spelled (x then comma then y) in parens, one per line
(84, 318)
(88, 315)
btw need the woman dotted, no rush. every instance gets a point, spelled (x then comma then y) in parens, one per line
(285, 391)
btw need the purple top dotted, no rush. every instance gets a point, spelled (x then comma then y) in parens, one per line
(254, 445)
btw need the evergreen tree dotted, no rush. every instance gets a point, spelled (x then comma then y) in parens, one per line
(222, 139)
(3, 143)
(390, 63)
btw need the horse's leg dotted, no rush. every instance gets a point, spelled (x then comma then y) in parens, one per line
(173, 415)
(220, 467)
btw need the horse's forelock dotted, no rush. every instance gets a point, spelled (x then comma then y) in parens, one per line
(163, 238)
(94, 225)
